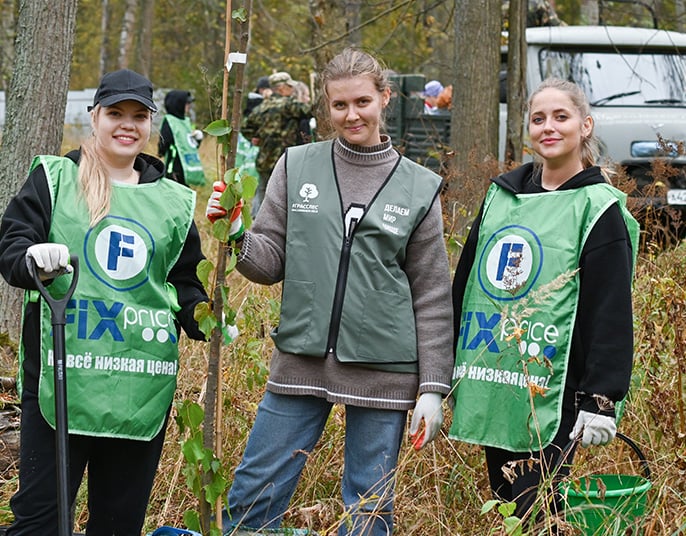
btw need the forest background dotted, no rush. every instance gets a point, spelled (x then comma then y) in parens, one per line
(180, 44)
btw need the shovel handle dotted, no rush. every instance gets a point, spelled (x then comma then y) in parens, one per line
(58, 306)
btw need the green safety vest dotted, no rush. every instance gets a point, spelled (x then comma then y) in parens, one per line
(186, 146)
(510, 343)
(348, 297)
(120, 336)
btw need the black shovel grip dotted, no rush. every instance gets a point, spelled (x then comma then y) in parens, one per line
(58, 306)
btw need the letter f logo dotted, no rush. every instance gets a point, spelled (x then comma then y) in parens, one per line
(510, 257)
(117, 248)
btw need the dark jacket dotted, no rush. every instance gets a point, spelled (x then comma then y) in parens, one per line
(175, 104)
(276, 123)
(601, 354)
(27, 221)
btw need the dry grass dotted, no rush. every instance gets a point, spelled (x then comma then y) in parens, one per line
(441, 489)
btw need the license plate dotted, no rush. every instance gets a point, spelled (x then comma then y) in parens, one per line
(676, 197)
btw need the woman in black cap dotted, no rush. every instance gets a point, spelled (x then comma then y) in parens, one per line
(138, 249)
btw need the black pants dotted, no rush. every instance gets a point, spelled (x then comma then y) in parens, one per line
(523, 491)
(120, 477)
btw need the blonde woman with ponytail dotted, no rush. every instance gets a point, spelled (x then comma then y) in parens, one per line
(554, 227)
(138, 249)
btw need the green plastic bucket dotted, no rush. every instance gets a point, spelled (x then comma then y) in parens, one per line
(607, 504)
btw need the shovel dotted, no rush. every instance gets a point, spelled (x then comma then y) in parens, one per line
(58, 319)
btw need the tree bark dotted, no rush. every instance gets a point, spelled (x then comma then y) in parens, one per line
(590, 13)
(144, 41)
(475, 115)
(105, 42)
(7, 27)
(680, 12)
(36, 102)
(127, 33)
(516, 80)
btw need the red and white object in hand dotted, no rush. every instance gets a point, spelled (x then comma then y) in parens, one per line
(215, 211)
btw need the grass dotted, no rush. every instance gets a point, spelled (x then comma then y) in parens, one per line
(442, 489)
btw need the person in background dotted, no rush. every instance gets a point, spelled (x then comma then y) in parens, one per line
(273, 126)
(179, 141)
(542, 301)
(444, 102)
(246, 152)
(432, 90)
(349, 333)
(139, 249)
(262, 91)
(307, 126)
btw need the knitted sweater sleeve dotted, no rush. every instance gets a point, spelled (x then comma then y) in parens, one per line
(428, 272)
(263, 250)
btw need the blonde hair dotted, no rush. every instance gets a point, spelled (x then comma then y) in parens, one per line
(350, 63)
(95, 183)
(589, 144)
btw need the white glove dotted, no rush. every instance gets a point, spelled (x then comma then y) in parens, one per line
(597, 429)
(214, 210)
(51, 259)
(429, 409)
(198, 135)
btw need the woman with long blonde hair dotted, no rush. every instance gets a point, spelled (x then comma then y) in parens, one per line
(138, 249)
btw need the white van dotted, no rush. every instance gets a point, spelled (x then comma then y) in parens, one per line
(635, 80)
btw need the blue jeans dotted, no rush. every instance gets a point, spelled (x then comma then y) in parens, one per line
(286, 430)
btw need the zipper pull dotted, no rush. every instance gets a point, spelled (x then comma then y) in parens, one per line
(352, 218)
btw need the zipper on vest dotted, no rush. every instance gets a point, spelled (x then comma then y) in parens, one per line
(352, 219)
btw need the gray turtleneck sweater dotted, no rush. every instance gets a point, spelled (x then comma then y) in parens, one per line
(360, 172)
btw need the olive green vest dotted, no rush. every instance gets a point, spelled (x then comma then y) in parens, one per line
(518, 314)
(186, 146)
(120, 337)
(345, 294)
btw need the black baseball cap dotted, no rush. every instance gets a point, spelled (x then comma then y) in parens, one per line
(123, 85)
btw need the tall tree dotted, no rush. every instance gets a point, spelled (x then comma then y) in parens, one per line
(144, 41)
(590, 13)
(36, 102)
(516, 79)
(6, 41)
(474, 123)
(105, 40)
(127, 33)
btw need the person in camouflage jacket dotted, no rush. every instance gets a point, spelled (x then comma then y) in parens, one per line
(273, 126)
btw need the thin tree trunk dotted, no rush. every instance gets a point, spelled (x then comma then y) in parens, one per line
(352, 18)
(590, 13)
(105, 43)
(144, 54)
(127, 33)
(7, 26)
(516, 80)
(36, 102)
(474, 122)
(680, 12)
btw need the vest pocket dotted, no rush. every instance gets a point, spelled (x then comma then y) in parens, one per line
(294, 332)
(387, 331)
